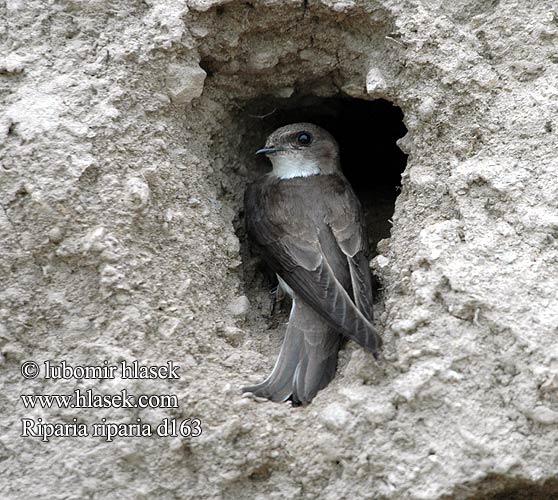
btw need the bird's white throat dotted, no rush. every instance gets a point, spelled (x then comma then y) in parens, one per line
(287, 167)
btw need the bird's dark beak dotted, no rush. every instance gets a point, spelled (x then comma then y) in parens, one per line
(266, 151)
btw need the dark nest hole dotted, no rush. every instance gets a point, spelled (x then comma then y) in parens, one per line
(496, 487)
(366, 131)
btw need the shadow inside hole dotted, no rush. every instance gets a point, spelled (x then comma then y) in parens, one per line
(366, 131)
(497, 487)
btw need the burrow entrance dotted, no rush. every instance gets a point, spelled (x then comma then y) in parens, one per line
(270, 64)
(366, 130)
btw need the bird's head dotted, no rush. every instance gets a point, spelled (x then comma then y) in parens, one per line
(300, 150)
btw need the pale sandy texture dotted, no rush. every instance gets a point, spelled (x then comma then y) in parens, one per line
(121, 186)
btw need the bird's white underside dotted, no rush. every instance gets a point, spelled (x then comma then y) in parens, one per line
(287, 167)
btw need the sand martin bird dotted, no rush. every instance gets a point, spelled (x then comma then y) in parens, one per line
(308, 224)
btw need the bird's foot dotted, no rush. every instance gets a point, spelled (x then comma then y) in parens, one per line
(277, 295)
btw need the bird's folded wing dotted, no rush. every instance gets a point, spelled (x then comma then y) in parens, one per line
(320, 258)
(362, 284)
(307, 270)
(348, 228)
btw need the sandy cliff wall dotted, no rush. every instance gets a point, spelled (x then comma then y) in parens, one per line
(126, 140)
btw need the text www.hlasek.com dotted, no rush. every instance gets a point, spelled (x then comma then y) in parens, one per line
(89, 399)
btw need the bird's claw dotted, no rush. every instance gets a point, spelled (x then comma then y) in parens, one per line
(277, 295)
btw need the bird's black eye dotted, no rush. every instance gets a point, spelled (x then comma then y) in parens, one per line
(304, 138)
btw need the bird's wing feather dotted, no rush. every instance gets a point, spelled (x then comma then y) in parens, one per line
(321, 289)
(349, 230)
(361, 283)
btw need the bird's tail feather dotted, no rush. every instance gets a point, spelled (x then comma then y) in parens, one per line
(317, 364)
(307, 361)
